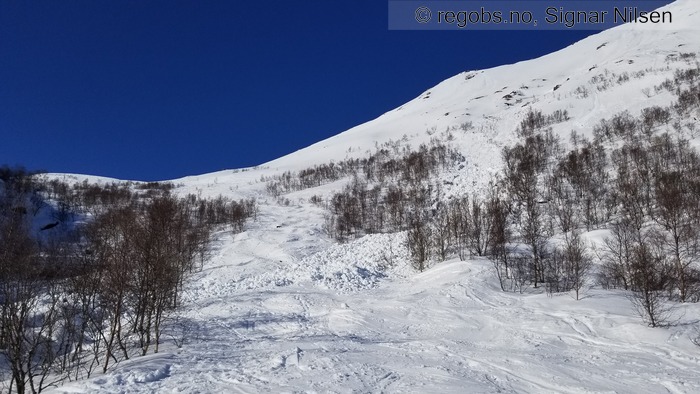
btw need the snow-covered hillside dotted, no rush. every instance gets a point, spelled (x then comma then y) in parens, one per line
(281, 307)
(581, 79)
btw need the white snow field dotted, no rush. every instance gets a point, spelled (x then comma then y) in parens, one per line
(281, 307)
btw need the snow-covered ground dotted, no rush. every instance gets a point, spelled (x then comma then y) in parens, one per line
(281, 308)
(258, 319)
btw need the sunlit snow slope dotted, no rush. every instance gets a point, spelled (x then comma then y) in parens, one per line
(282, 308)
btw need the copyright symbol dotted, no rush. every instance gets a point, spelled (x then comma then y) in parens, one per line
(423, 14)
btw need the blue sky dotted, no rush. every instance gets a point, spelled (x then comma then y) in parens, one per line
(153, 90)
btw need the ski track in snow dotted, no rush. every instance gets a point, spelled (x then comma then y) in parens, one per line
(281, 308)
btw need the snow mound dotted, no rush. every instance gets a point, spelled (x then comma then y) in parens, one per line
(354, 266)
(359, 265)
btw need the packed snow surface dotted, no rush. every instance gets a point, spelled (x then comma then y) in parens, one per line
(282, 308)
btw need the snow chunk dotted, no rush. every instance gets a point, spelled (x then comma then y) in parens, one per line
(360, 264)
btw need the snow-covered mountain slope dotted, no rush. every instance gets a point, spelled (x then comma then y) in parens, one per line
(282, 308)
(593, 79)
